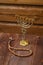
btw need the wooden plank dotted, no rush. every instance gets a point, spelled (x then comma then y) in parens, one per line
(33, 2)
(21, 10)
(8, 13)
(12, 19)
(39, 54)
(13, 28)
(7, 58)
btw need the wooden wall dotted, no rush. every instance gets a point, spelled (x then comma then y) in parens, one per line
(34, 2)
(8, 18)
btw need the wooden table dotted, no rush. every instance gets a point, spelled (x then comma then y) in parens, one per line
(9, 12)
(7, 58)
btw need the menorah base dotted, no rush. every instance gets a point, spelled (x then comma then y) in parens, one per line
(24, 43)
(20, 51)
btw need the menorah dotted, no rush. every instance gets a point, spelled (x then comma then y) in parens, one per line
(25, 22)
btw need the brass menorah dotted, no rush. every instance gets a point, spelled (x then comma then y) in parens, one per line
(25, 22)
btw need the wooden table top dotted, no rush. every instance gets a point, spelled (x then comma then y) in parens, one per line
(7, 58)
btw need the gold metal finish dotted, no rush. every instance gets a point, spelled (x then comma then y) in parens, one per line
(23, 43)
(14, 50)
(25, 23)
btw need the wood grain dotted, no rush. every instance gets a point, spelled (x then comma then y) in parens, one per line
(7, 13)
(33, 2)
(7, 58)
(8, 19)
(14, 28)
